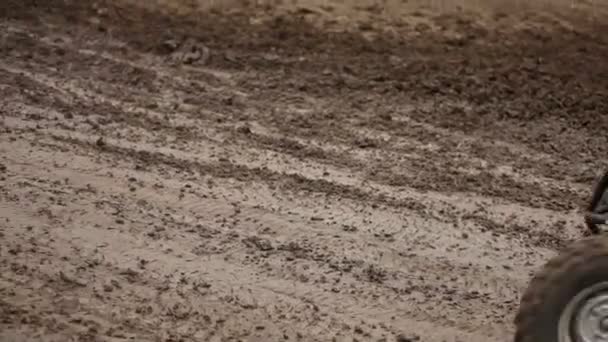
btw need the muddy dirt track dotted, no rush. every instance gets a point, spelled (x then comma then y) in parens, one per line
(260, 177)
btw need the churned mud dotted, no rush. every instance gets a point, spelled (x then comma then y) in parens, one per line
(285, 173)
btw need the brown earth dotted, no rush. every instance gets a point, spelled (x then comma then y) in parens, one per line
(292, 172)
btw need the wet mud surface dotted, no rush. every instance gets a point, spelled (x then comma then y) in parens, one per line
(251, 176)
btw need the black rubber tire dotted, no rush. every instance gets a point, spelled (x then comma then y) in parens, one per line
(597, 191)
(579, 266)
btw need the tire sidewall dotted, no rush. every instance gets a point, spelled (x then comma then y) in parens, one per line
(557, 295)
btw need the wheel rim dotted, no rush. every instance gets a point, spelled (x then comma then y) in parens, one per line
(585, 318)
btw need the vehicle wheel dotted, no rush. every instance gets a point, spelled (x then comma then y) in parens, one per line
(567, 301)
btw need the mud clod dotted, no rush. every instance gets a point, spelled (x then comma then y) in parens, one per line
(407, 338)
(69, 279)
(259, 243)
(244, 129)
(187, 52)
(100, 142)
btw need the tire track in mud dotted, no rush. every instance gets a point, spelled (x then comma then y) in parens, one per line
(451, 211)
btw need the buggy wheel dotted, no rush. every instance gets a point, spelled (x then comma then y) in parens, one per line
(567, 301)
